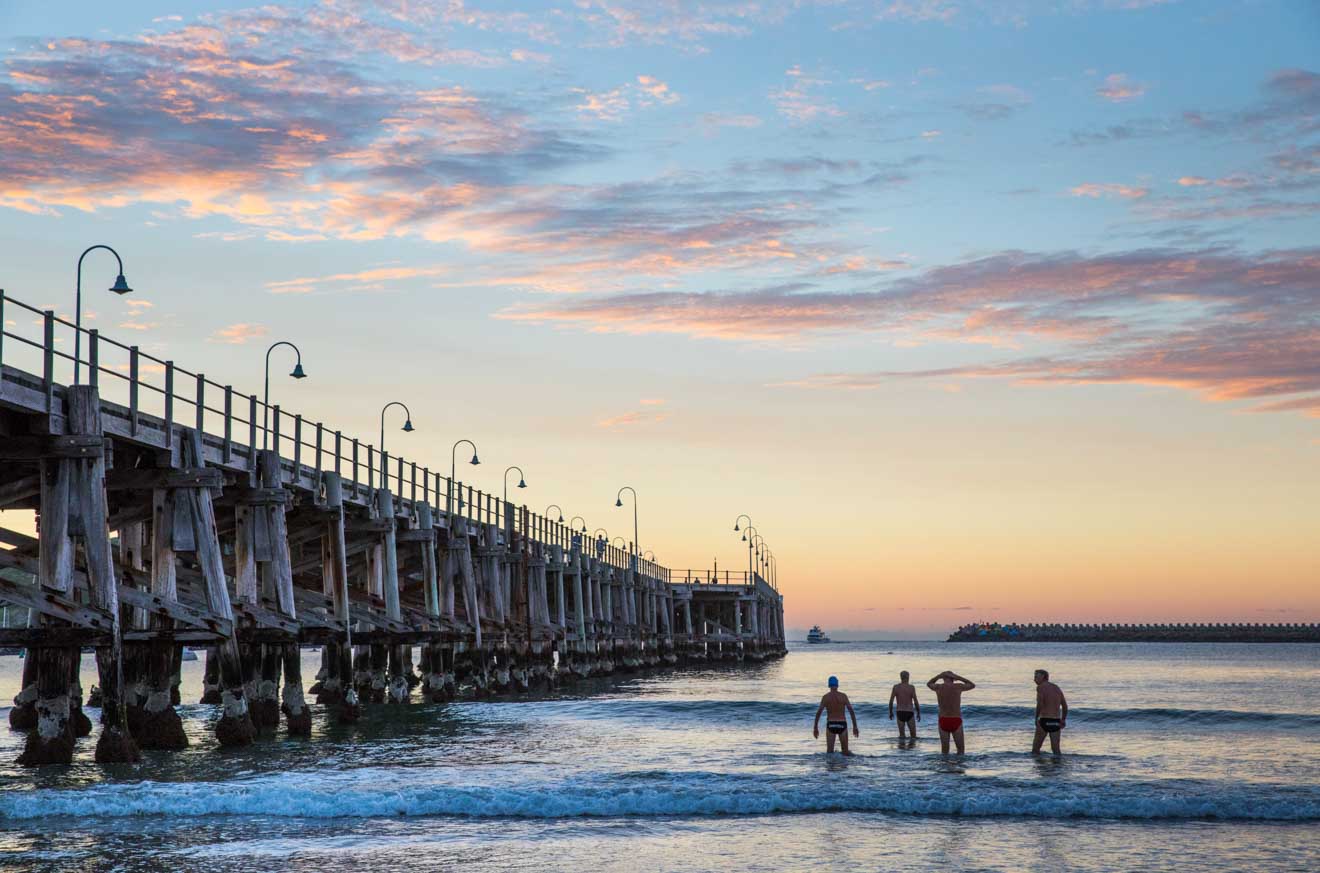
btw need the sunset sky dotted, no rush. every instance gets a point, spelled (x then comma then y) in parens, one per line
(980, 308)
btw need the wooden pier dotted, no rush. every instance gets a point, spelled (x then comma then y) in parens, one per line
(160, 524)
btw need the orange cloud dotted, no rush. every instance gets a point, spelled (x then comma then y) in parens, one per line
(239, 334)
(1118, 88)
(1099, 189)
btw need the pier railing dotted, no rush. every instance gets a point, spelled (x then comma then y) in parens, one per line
(158, 395)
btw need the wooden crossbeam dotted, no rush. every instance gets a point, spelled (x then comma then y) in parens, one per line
(53, 605)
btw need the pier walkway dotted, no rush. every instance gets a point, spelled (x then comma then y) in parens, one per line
(162, 524)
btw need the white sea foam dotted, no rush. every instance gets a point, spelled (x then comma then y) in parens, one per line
(699, 794)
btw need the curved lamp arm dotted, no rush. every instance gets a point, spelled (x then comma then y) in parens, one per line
(407, 420)
(453, 474)
(618, 501)
(297, 373)
(120, 287)
(522, 480)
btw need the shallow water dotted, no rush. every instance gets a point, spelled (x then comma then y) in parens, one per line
(1188, 756)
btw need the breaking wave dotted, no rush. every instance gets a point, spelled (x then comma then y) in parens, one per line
(366, 795)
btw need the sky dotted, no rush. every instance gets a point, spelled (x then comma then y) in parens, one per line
(980, 310)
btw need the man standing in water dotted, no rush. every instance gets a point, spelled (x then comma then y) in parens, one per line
(1051, 712)
(906, 696)
(835, 703)
(949, 695)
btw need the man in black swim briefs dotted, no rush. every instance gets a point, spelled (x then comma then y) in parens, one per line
(909, 709)
(836, 704)
(1051, 712)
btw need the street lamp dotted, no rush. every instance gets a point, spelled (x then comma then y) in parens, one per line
(650, 555)
(740, 518)
(598, 531)
(296, 374)
(407, 428)
(748, 530)
(759, 542)
(618, 501)
(521, 482)
(453, 473)
(622, 540)
(560, 520)
(578, 518)
(120, 287)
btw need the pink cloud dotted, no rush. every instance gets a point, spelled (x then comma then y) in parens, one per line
(1234, 325)
(239, 334)
(1098, 190)
(1118, 88)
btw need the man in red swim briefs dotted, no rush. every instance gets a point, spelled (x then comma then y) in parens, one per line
(949, 687)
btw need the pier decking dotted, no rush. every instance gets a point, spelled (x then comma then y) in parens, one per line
(161, 523)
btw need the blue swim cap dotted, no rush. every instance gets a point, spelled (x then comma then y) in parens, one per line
(834, 682)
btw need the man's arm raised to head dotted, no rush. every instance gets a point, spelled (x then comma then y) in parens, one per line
(933, 679)
(968, 684)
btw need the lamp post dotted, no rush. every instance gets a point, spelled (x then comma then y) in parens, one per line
(522, 483)
(453, 473)
(622, 540)
(618, 501)
(560, 520)
(407, 420)
(649, 555)
(120, 287)
(740, 518)
(760, 559)
(265, 399)
(749, 530)
(578, 518)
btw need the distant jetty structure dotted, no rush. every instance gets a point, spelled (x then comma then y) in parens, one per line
(172, 511)
(994, 632)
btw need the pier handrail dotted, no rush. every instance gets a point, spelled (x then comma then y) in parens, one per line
(314, 447)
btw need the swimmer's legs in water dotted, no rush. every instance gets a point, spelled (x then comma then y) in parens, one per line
(1039, 739)
(957, 737)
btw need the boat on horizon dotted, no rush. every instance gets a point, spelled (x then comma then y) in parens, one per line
(816, 635)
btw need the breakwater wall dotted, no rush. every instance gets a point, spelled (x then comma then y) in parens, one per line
(1137, 633)
(173, 511)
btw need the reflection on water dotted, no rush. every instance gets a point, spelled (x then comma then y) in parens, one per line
(717, 767)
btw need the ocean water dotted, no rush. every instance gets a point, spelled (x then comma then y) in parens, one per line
(1176, 757)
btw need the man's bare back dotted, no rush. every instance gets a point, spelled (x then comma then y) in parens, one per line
(949, 695)
(835, 704)
(1049, 700)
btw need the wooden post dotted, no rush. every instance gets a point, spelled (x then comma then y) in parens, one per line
(335, 568)
(158, 726)
(235, 726)
(398, 689)
(88, 489)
